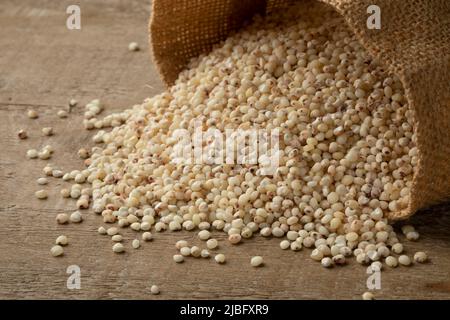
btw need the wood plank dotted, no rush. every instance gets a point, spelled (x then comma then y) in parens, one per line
(44, 65)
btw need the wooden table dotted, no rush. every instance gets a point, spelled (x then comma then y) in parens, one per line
(43, 65)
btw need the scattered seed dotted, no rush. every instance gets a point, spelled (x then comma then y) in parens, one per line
(391, 261)
(181, 244)
(368, 296)
(404, 260)
(212, 244)
(285, 244)
(339, 259)
(234, 238)
(41, 194)
(48, 170)
(62, 241)
(72, 103)
(397, 248)
(412, 236)
(117, 238)
(204, 235)
(42, 181)
(316, 255)
(62, 218)
(49, 148)
(112, 231)
(65, 193)
(196, 251)
(57, 173)
(22, 134)
(185, 251)
(32, 114)
(204, 253)
(57, 251)
(44, 154)
(76, 217)
(62, 114)
(47, 131)
(256, 261)
(136, 226)
(296, 246)
(326, 262)
(147, 236)
(32, 154)
(133, 46)
(83, 153)
(102, 230)
(154, 289)
(136, 244)
(220, 258)
(178, 258)
(118, 248)
(420, 257)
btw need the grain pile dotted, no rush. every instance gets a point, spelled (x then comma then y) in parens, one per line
(346, 149)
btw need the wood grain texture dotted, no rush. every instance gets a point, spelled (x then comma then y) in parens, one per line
(43, 65)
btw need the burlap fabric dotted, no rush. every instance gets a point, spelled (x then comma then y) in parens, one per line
(414, 42)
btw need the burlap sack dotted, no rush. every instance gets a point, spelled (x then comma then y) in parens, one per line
(414, 42)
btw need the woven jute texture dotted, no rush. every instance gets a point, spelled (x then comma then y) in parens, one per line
(413, 42)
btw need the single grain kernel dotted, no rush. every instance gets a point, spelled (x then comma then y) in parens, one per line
(42, 181)
(117, 238)
(62, 218)
(326, 262)
(112, 231)
(57, 251)
(32, 154)
(102, 230)
(62, 241)
(118, 248)
(196, 251)
(72, 103)
(136, 244)
(212, 244)
(154, 289)
(62, 114)
(257, 261)
(76, 217)
(178, 258)
(220, 258)
(147, 236)
(47, 131)
(420, 257)
(41, 194)
(391, 261)
(204, 253)
(133, 46)
(368, 296)
(181, 244)
(404, 260)
(32, 114)
(22, 134)
(65, 193)
(185, 251)
(204, 235)
(234, 238)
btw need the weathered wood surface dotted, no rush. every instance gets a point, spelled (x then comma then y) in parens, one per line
(43, 65)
